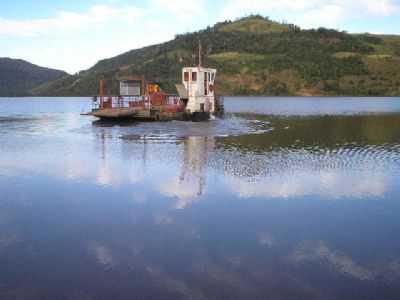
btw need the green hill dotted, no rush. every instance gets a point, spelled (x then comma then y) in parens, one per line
(256, 56)
(18, 77)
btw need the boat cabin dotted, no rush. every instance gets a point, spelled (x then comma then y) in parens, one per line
(199, 83)
(132, 86)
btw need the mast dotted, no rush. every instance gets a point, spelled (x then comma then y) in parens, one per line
(200, 52)
(102, 92)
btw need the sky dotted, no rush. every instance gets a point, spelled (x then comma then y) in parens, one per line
(73, 35)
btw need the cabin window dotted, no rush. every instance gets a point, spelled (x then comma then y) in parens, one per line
(194, 76)
(212, 76)
(186, 76)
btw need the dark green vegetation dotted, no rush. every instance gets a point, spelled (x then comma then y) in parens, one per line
(256, 56)
(18, 77)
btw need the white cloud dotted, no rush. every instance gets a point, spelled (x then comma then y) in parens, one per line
(69, 21)
(327, 16)
(334, 185)
(383, 7)
(102, 254)
(186, 192)
(237, 8)
(318, 251)
(183, 9)
(335, 13)
(311, 13)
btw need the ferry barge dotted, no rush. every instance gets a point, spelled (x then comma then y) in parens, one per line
(141, 100)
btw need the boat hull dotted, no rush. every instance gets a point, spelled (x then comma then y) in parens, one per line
(115, 113)
(148, 115)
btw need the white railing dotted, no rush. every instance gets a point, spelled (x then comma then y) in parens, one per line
(131, 101)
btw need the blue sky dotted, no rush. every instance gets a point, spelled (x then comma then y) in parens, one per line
(74, 35)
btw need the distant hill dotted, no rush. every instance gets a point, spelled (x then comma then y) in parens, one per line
(18, 77)
(256, 56)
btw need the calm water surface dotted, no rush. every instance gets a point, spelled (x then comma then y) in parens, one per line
(282, 199)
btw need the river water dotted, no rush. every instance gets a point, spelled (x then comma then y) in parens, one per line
(284, 198)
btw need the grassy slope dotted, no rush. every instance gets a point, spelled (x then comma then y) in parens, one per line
(259, 57)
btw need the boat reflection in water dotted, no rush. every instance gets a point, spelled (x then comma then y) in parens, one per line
(192, 178)
(188, 182)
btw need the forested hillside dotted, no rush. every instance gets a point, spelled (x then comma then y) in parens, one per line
(18, 77)
(256, 56)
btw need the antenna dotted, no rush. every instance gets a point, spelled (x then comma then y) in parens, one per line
(200, 52)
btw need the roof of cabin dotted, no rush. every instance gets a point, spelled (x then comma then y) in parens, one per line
(200, 69)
